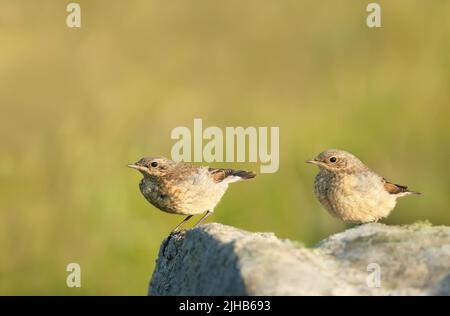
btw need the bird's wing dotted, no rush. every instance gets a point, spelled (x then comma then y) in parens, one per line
(221, 174)
(394, 188)
(181, 173)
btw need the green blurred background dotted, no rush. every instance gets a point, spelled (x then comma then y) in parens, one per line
(79, 104)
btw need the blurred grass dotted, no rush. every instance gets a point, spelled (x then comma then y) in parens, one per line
(78, 104)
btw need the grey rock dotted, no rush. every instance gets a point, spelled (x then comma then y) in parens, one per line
(214, 259)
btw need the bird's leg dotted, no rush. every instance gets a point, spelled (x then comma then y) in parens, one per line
(179, 225)
(173, 232)
(203, 218)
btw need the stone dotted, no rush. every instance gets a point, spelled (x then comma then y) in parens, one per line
(371, 259)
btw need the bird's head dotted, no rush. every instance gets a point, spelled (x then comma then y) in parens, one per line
(153, 166)
(334, 160)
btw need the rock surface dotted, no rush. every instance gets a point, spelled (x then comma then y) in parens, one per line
(214, 259)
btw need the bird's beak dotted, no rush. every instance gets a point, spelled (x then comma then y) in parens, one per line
(314, 162)
(137, 167)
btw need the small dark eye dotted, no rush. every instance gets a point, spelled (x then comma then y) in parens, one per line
(154, 164)
(333, 159)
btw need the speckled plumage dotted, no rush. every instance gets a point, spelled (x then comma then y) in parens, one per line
(349, 190)
(181, 188)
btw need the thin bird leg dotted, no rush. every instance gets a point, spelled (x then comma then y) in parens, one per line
(173, 232)
(203, 218)
(179, 225)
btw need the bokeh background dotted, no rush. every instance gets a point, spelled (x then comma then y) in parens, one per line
(78, 104)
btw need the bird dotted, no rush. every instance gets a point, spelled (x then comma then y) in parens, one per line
(352, 192)
(184, 189)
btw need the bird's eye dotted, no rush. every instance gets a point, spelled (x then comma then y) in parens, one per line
(333, 159)
(154, 164)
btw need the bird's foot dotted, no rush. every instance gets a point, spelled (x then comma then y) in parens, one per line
(175, 233)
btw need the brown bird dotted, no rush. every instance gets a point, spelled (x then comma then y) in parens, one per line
(349, 190)
(181, 188)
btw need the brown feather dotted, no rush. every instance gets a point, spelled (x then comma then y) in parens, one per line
(395, 188)
(221, 174)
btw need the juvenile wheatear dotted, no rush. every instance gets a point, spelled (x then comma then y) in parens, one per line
(349, 190)
(181, 188)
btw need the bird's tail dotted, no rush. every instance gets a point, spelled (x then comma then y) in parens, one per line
(397, 189)
(230, 175)
(407, 192)
(243, 174)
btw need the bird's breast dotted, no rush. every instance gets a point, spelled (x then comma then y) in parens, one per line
(157, 194)
(353, 197)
